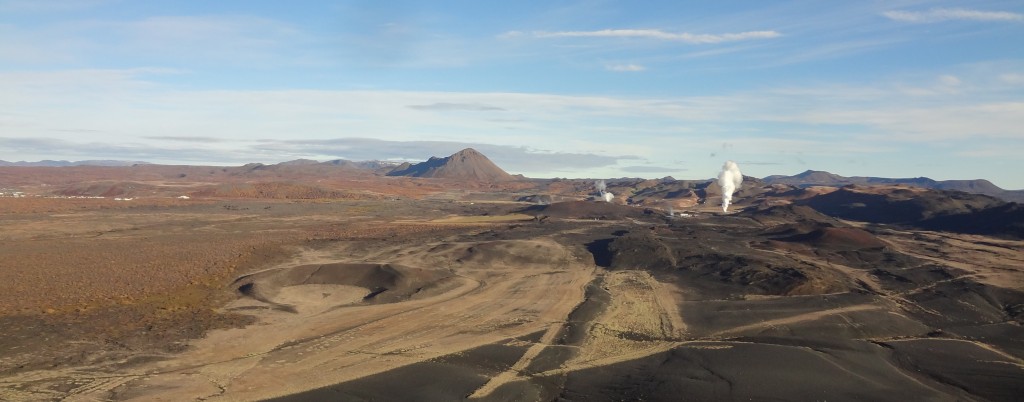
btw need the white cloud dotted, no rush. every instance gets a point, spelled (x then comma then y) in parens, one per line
(659, 35)
(982, 151)
(466, 107)
(831, 50)
(173, 40)
(129, 101)
(952, 14)
(193, 28)
(625, 67)
(205, 150)
(949, 80)
(221, 38)
(1012, 78)
(511, 34)
(126, 107)
(49, 6)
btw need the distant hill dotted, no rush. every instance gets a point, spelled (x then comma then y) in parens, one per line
(941, 210)
(315, 168)
(467, 164)
(52, 163)
(299, 162)
(899, 205)
(819, 178)
(377, 165)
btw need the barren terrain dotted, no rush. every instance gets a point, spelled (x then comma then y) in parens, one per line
(417, 290)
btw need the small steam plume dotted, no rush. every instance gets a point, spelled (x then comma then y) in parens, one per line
(602, 189)
(671, 211)
(729, 179)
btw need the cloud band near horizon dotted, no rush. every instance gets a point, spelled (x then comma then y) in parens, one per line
(951, 14)
(655, 34)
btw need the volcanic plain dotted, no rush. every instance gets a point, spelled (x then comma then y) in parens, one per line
(324, 282)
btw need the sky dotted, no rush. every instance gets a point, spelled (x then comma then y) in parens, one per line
(596, 89)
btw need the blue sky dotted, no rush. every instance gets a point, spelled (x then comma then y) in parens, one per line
(546, 89)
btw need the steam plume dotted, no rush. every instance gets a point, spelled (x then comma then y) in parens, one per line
(729, 179)
(602, 189)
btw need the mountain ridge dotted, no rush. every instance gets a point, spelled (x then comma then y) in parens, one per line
(823, 178)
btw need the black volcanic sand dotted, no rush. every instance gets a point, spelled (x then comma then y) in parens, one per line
(583, 210)
(1008, 337)
(964, 302)
(905, 279)
(800, 229)
(964, 365)
(710, 317)
(837, 238)
(575, 328)
(573, 331)
(786, 214)
(844, 245)
(447, 378)
(763, 323)
(705, 371)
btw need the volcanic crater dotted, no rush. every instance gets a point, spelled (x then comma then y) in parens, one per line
(340, 284)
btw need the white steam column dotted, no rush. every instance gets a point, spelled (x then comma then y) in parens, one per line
(729, 179)
(602, 189)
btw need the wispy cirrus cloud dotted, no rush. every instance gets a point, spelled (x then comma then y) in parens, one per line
(448, 106)
(651, 169)
(49, 6)
(48, 148)
(166, 40)
(1012, 78)
(564, 135)
(951, 14)
(655, 34)
(759, 163)
(184, 138)
(625, 68)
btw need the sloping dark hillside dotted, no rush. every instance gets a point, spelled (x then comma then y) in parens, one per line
(896, 205)
(951, 211)
(1005, 220)
(467, 164)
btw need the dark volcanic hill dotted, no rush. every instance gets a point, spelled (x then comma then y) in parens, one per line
(896, 204)
(952, 211)
(1005, 219)
(467, 164)
(819, 178)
